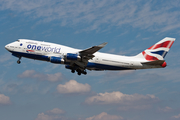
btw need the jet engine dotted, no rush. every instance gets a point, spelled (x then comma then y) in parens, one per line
(71, 56)
(56, 60)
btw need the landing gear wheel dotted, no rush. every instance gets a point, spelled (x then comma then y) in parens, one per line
(79, 73)
(18, 62)
(85, 72)
(73, 71)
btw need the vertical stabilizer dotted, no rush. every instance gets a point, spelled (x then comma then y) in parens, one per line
(158, 51)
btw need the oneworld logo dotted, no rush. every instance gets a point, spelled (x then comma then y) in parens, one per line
(46, 49)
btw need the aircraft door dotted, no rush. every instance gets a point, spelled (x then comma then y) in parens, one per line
(97, 59)
(131, 63)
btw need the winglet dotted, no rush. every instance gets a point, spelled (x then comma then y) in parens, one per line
(102, 45)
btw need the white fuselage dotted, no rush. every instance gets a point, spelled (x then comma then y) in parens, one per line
(101, 61)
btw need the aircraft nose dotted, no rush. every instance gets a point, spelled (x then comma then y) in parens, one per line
(7, 46)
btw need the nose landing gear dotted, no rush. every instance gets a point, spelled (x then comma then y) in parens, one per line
(18, 62)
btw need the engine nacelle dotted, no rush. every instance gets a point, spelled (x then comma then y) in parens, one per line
(71, 56)
(56, 60)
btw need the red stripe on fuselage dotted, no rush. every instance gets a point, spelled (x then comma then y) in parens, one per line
(30, 50)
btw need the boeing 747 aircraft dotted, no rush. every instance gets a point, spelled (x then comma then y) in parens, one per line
(80, 60)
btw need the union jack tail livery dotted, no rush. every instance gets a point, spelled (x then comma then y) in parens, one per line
(158, 51)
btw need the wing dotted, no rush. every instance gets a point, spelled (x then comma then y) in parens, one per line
(88, 53)
(79, 61)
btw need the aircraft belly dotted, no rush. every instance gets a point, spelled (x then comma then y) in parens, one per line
(31, 56)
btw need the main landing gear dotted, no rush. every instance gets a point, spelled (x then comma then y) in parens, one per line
(18, 62)
(79, 72)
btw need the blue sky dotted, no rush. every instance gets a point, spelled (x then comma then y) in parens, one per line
(37, 90)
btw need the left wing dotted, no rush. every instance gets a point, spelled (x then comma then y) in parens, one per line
(88, 53)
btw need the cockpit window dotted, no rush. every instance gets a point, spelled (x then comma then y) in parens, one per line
(17, 40)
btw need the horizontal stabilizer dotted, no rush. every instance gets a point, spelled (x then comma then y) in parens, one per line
(157, 62)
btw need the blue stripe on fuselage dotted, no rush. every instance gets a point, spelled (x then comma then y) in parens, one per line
(90, 65)
(98, 66)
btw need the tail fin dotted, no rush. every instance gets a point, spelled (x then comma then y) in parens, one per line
(158, 51)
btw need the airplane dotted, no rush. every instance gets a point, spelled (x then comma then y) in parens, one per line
(90, 59)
